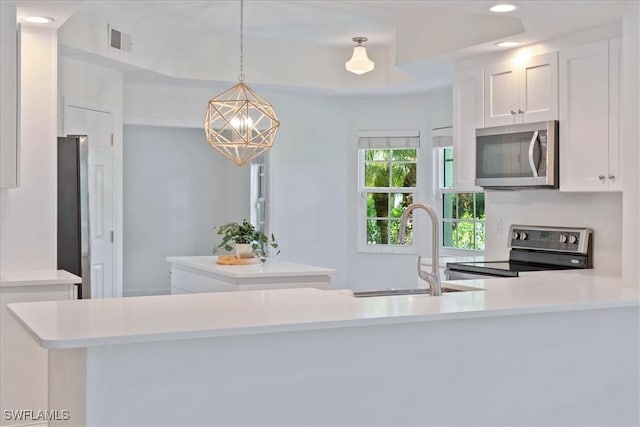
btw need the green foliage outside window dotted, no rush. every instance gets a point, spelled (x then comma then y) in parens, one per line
(389, 181)
(463, 216)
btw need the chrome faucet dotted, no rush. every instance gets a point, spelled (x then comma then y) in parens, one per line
(433, 278)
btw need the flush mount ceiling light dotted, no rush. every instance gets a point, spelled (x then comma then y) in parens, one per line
(501, 8)
(39, 19)
(508, 44)
(240, 123)
(359, 62)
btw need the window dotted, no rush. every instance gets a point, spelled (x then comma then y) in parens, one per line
(463, 216)
(388, 179)
(258, 193)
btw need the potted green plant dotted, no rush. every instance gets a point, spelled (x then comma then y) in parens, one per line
(246, 238)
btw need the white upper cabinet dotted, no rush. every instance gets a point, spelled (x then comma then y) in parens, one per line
(589, 117)
(467, 116)
(614, 177)
(521, 91)
(9, 98)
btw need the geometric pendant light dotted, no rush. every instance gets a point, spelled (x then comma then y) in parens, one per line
(238, 122)
(359, 62)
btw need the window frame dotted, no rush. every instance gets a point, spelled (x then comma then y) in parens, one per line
(440, 190)
(384, 248)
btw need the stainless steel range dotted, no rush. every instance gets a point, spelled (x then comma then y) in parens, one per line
(533, 248)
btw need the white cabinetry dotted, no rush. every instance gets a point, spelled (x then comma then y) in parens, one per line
(467, 116)
(23, 363)
(521, 91)
(589, 117)
(200, 274)
(9, 97)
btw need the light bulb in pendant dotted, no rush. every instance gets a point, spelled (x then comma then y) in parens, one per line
(242, 124)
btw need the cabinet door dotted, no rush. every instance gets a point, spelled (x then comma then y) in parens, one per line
(500, 94)
(538, 89)
(467, 116)
(584, 117)
(615, 84)
(8, 100)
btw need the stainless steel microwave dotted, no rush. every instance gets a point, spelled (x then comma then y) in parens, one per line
(518, 156)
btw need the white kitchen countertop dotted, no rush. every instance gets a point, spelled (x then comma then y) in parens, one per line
(37, 278)
(69, 324)
(270, 268)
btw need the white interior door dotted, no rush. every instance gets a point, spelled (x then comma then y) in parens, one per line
(98, 126)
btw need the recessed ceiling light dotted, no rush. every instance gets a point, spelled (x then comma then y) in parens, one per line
(505, 7)
(39, 19)
(508, 44)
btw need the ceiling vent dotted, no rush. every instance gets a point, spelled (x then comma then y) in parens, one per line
(119, 40)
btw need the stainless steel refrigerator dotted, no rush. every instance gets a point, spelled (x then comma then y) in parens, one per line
(74, 243)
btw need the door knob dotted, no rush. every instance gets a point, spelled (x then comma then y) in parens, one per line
(520, 111)
(612, 177)
(513, 112)
(601, 177)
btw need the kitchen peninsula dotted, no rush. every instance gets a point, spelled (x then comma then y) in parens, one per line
(546, 348)
(195, 274)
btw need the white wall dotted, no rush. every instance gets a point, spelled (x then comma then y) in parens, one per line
(421, 111)
(309, 170)
(600, 211)
(308, 164)
(28, 213)
(83, 83)
(176, 190)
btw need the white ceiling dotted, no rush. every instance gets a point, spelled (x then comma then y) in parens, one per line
(333, 23)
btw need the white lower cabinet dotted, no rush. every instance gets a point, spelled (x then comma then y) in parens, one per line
(23, 363)
(187, 282)
(590, 117)
(198, 274)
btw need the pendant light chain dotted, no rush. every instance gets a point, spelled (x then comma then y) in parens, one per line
(241, 76)
(239, 123)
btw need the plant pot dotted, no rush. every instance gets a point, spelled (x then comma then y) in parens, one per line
(242, 247)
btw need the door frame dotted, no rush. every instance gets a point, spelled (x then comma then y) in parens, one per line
(117, 273)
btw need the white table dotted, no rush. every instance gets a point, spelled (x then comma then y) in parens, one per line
(196, 274)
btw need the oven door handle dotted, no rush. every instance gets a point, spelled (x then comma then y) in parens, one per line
(532, 163)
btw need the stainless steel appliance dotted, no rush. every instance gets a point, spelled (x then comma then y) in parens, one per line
(533, 248)
(74, 254)
(518, 156)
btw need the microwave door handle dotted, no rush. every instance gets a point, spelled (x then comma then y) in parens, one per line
(532, 163)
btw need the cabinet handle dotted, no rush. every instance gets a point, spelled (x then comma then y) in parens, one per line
(612, 177)
(601, 177)
(513, 112)
(520, 111)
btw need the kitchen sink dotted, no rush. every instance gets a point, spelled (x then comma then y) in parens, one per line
(393, 292)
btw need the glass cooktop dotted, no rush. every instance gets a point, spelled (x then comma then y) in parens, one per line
(501, 268)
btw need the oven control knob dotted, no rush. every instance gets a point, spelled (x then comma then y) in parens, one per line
(563, 238)
(515, 235)
(523, 236)
(573, 239)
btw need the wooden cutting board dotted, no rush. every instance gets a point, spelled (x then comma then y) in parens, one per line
(232, 260)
